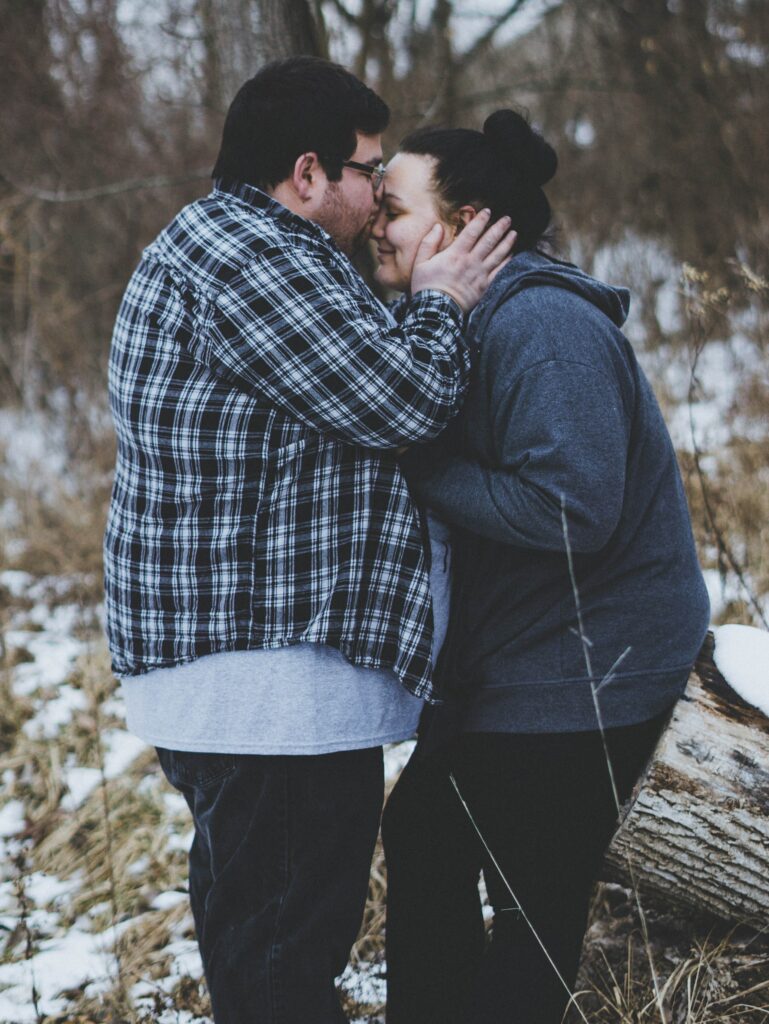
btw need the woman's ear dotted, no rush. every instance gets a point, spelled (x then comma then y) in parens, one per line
(462, 217)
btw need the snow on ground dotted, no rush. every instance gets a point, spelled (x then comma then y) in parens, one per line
(68, 961)
(78, 958)
(11, 818)
(47, 636)
(63, 960)
(718, 370)
(727, 591)
(365, 983)
(395, 757)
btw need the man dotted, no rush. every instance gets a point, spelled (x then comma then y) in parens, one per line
(267, 589)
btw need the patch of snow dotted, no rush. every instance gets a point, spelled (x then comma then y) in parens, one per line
(716, 586)
(66, 961)
(42, 888)
(175, 804)
(181, 840)
(138, 867)
(122, 750)
(186, 958)
(11, 818)
(720, 368)
(704, 421)
(80, 783)
(54, 653)
(114, 706)
(167, 900)
(637, 259)
(395, 757)
(55, 713)
(15, 581)
(742, 657)
(186, 963)
(33, 441)
(365, 982)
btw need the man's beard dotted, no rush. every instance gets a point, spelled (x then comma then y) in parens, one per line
(342, 222)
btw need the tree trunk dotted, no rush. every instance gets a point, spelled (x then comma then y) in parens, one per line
(696, 832)
(290, 27)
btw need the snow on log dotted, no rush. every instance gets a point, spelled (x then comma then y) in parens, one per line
(696, 831)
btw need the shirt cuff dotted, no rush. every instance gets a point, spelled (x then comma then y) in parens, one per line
(431, 296)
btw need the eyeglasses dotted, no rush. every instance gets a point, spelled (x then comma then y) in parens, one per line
(376, 174)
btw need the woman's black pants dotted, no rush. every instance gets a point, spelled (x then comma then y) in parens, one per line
(545, 806)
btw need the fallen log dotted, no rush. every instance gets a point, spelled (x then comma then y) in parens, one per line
(695, 833)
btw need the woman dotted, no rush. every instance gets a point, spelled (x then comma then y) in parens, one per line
(578, 603)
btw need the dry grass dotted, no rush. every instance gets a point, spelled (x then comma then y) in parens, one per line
(709, 973)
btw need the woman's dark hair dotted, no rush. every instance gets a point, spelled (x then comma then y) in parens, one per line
(503, 167)
(294, 106)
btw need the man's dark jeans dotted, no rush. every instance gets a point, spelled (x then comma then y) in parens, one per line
(279, 871)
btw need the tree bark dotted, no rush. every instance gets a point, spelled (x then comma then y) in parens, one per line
(696, 832)
(290, 27)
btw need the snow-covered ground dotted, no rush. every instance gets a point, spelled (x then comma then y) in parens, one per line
(59, 959)
(78, 956)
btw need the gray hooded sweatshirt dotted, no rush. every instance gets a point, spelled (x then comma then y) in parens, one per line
(561, 449)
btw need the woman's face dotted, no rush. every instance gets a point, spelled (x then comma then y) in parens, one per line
(408, 211)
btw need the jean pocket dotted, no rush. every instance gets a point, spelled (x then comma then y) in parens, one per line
(189, 768)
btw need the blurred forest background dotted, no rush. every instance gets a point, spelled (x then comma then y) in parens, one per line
(110, 119)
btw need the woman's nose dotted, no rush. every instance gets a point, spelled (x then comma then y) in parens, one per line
(377, 228)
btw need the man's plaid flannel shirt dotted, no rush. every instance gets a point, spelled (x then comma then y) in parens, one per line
(259, 393)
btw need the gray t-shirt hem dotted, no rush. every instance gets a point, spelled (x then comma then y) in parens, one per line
(303, 699)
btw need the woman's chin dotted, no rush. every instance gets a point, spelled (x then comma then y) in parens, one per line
(384, 275)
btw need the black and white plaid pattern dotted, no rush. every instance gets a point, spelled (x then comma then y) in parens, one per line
(259, 393)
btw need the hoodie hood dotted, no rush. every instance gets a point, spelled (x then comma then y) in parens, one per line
(535, 269)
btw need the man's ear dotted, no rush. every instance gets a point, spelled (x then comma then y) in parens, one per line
(304, 177)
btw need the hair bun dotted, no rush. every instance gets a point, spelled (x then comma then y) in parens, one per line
(518, 144)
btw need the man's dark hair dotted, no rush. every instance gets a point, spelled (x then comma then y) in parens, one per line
(294, 106)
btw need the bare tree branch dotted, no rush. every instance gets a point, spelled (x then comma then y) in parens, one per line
(508, 92)
(483, 41)
(102, 191)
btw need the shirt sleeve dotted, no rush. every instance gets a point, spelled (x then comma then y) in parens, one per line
(298, 329)
(561, 436)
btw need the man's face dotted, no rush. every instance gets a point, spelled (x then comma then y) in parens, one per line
(349, 205)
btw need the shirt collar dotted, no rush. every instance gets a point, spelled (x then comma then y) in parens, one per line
(259, 200)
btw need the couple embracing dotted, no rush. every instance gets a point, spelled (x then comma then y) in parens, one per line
(332, 519)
